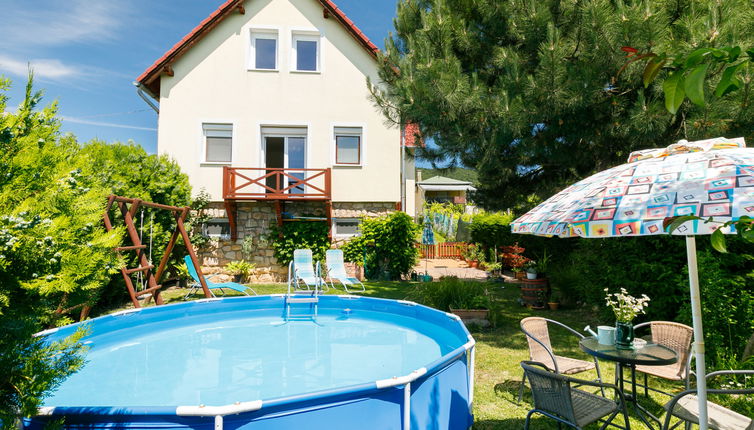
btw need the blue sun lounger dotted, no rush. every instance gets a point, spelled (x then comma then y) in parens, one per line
(336, 270)
(196, 285)
(302, 274)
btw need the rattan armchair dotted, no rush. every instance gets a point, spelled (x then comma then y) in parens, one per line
(677, 337)
(537, 334)
(685, 406)
(555, 396)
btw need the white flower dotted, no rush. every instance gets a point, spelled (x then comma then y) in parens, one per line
(625, 306)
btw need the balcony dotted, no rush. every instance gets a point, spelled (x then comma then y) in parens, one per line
(250, 183)
(279, 185)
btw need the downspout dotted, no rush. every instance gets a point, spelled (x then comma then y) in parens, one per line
(143, 92)
(403, 170)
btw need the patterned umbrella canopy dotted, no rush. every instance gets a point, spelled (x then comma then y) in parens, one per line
(712, 178)
(709, 179)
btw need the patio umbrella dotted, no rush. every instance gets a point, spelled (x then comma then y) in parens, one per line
(428, 238)
(710, 179)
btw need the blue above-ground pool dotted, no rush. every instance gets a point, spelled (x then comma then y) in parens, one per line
(269, 362)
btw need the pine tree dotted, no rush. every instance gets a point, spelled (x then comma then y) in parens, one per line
(532, 93)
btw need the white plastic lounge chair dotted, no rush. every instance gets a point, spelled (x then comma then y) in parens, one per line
(196, 285)
(336, 270)
(302, 274)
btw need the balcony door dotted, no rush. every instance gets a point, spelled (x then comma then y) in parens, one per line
(285, 148)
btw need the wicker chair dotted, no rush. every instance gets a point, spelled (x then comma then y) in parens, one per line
(540, 350)
(677, 337)
(555, 397)
(685, 406)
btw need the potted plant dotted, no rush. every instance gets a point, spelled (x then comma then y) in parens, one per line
(493, 268)
(511, 257)
(625, 307)
(466, 253)
(554, 301)
(542, 264)
(240, 270)
(182, 275)
(467, 299)
(531, 269)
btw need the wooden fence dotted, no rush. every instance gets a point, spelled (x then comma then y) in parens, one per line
(442, 250)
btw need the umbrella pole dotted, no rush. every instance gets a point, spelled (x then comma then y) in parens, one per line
(696, 314)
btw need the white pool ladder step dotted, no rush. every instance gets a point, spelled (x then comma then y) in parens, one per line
(311, 301)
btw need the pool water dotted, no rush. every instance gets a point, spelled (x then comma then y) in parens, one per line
(225, 357)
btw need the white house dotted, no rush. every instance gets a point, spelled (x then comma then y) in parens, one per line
(265, 106)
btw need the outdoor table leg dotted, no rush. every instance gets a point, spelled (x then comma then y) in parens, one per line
(632, 398)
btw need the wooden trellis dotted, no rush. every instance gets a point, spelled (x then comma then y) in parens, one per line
(128, 208)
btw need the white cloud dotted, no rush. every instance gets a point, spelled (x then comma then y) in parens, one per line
(44, 68)
(55, 23)
(104, 124)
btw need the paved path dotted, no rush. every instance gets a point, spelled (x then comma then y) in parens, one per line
(438, 268)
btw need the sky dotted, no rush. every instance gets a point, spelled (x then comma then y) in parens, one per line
(86, 54)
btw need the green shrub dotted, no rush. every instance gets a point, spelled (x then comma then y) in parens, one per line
(656, 266)
(492, 229)
(299, 235)
(389, 244)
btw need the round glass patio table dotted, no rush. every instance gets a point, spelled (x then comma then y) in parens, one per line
(649, 354)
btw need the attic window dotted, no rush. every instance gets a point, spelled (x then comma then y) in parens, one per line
(264, 50)
(306, 52)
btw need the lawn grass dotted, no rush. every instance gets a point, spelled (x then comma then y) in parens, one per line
(499, 351)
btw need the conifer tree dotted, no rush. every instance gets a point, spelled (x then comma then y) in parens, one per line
(533, 93)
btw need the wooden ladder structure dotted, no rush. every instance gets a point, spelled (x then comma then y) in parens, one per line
(152, 276)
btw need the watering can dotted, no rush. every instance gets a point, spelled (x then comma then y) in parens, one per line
(605, 334)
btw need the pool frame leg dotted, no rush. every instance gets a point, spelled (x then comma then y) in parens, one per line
(406, 407)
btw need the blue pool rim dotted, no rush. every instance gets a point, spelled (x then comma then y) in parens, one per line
(448, 370)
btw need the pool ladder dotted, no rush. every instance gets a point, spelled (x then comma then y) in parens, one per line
(312, 302)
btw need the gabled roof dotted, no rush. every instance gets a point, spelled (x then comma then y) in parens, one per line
(441, 183)
(151, 77)
(442, 180)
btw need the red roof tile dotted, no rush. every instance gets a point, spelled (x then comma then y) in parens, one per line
(412, 135)
(150, 77)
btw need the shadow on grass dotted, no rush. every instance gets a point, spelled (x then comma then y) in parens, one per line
(509, 390)
(537, 423)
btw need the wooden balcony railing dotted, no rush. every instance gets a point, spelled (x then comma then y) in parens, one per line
(250, 183)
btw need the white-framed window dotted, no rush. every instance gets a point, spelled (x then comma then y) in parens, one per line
(218, 228)
(305, 52)
(217, 143)
(348, 146)
(346, 227)
(264, 49)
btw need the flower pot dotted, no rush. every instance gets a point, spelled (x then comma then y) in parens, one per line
(474, 264)
(520, 276)
(467, 314)
(553, 305)
(624, 335)
(237, 278)
(531, 275)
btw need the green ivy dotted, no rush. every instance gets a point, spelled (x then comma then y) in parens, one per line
(299, 235)
(389, 244)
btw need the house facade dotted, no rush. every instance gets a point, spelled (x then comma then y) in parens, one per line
(265, 106)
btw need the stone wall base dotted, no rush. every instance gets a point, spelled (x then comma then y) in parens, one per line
(255, 221)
